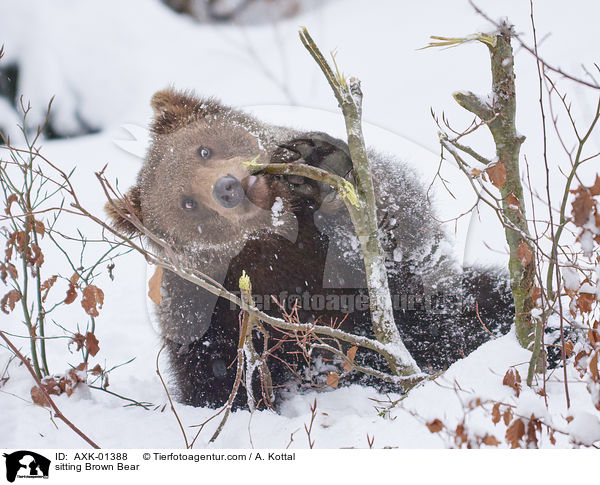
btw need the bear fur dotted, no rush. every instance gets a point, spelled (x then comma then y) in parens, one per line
(294, 238)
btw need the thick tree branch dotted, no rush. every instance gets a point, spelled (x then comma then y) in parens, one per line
(499, 115)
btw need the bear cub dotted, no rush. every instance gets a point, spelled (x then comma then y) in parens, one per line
(294, 238)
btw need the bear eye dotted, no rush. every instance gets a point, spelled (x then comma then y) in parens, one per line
(188, 204)
(204, 152)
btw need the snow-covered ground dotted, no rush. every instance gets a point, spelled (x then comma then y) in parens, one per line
(103, 61)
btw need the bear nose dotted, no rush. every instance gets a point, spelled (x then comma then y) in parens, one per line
(228, 191)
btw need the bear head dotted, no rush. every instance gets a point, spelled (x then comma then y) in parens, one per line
(197, 190)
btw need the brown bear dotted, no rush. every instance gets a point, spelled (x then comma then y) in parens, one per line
(294, 238)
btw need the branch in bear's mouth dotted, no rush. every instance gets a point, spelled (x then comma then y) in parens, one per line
(344, 188)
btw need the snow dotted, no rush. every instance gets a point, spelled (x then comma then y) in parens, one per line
(585, 428)
(276, 212)
(103, 60)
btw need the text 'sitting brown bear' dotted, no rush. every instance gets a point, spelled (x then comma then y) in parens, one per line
(294, 238)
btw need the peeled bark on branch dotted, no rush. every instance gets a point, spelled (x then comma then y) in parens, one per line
(499, 115)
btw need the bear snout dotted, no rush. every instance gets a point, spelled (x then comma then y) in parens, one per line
(228, 191)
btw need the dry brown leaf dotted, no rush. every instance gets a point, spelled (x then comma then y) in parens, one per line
(333, 379)
(72, 291)
(9, 201)
(35, 256)
(582, 206)
(21, 241)
(8, 269)
(524, 253)
(46, 285)
(515, 432)
(512, 378)
(490, 440)
(351, 354)
(507, 416)
(91, 344)
(38, 397)
(38, 226)
(10, 300)
(460, 433)
(593, 366)
(496, 413)
(435, 426)
(154, 286)
(584, 302)
(569, 348)
(497, 174)
(595, 189)
(513, 202)
(93, 298)
(79, 340)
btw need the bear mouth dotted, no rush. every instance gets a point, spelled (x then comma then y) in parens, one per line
(257, 193)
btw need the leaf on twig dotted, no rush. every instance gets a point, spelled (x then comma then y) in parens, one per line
(78, 340)
(93, 298)
(333, 379)
(91, 344)
(35, 256)
(57, 385)
(496, 413)
(569, 346)
(7, 269)
(435, 426)
(10, 300)
(507, 416)
(38, 226)
(584, 302)
(38, 397)
(72, 292)
(593, 366)
(351, 354)
(9, 201)
(595, 189)
(515, 432)
(512, 379)
(497, 174)
(582, 206)
(46, 285)
(490, 440)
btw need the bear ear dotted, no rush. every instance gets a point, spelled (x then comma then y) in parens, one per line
(174, 109)
(130, 204)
